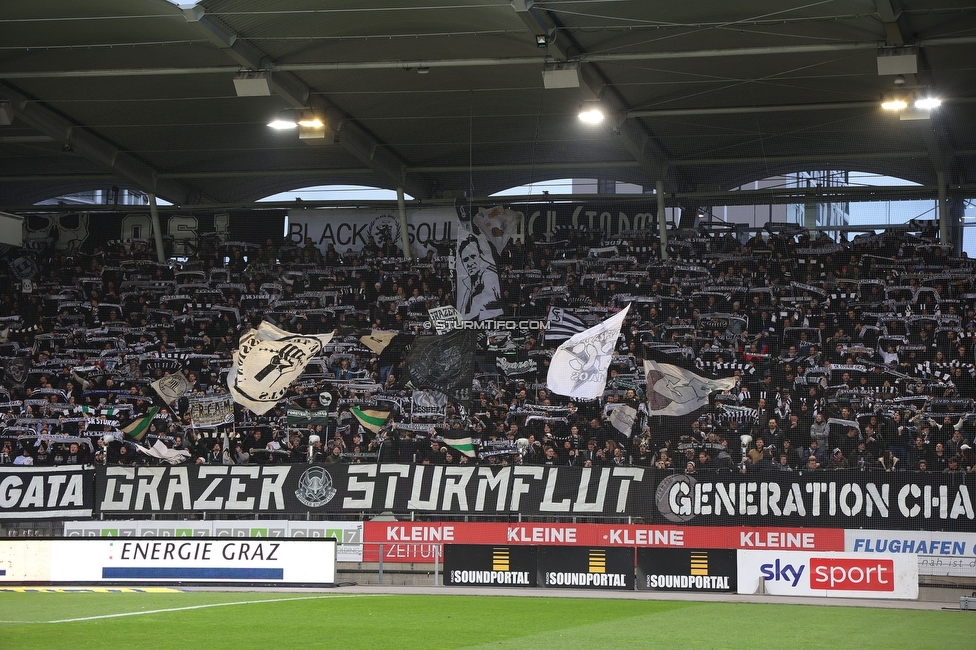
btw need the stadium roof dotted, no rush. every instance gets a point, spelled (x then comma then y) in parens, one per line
(445, 97)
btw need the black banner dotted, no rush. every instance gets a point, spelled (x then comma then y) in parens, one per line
(494, 566)
(184, 234)
(822, 498)
(607, 216)
(679, 569)
(424, 489)
(829, 499)
(46, 492)
(577, 567)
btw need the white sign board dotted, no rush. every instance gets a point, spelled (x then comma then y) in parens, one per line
(169, 561)
(939, 553)
(351, 229)
(837, 575)
(348, 534)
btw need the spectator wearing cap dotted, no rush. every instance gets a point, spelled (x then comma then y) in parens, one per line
(837, 460)
(967, 459)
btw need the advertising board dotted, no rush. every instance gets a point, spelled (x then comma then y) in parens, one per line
(840, 575)
(191, 560)
(678, 569)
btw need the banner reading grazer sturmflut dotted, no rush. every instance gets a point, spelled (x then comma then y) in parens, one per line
(357, 488)
(46, 492)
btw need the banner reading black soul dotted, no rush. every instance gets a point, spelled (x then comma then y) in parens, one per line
(832, 499)
(679, 569)
(46, 492)
(529, 490)
(494, 566)
(586, 568)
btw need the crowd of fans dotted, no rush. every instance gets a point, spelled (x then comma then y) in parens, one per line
(847, 354)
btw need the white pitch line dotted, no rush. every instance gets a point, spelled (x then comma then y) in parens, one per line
(183, 609)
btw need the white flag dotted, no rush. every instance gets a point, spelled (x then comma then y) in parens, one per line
(268, 360)
(579, 366)
(672, 390)
(623, 417)
(164, 453)
(498, 225)
(171, 387)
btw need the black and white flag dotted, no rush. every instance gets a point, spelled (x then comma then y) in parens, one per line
(562, 325)
(268, 360)
(171, 387)
(444, 363)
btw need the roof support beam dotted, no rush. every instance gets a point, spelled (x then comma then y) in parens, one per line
(639, 140)
(898, 34)
(353, 137)
(92, 146)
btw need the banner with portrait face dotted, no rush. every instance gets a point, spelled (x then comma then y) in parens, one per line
(478, 289)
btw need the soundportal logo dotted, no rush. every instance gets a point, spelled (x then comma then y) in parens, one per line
(315, 487)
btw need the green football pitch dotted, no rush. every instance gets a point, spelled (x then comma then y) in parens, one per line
(241, 621)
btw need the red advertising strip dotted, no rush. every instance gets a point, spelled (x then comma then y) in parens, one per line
(416, 542)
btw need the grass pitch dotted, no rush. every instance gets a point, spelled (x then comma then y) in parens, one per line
(215, 620)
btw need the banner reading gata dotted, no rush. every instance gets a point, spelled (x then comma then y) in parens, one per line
(833, 499)
(529, 490)
(46, 492)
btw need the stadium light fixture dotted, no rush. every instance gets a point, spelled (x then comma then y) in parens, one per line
(591, 113)
(927, 103)
(893, 102)
(292, 119)
(283, 122)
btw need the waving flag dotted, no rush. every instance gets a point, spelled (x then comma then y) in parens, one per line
(268, 360)
(371, 419)
(171, 387)
(377, 340)
(444, 363)
(579, 366)
(460, 441)
(138, 428)
(561, 326)
(497, 224)
(623, 418)
(164, 453)
(675, 391)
